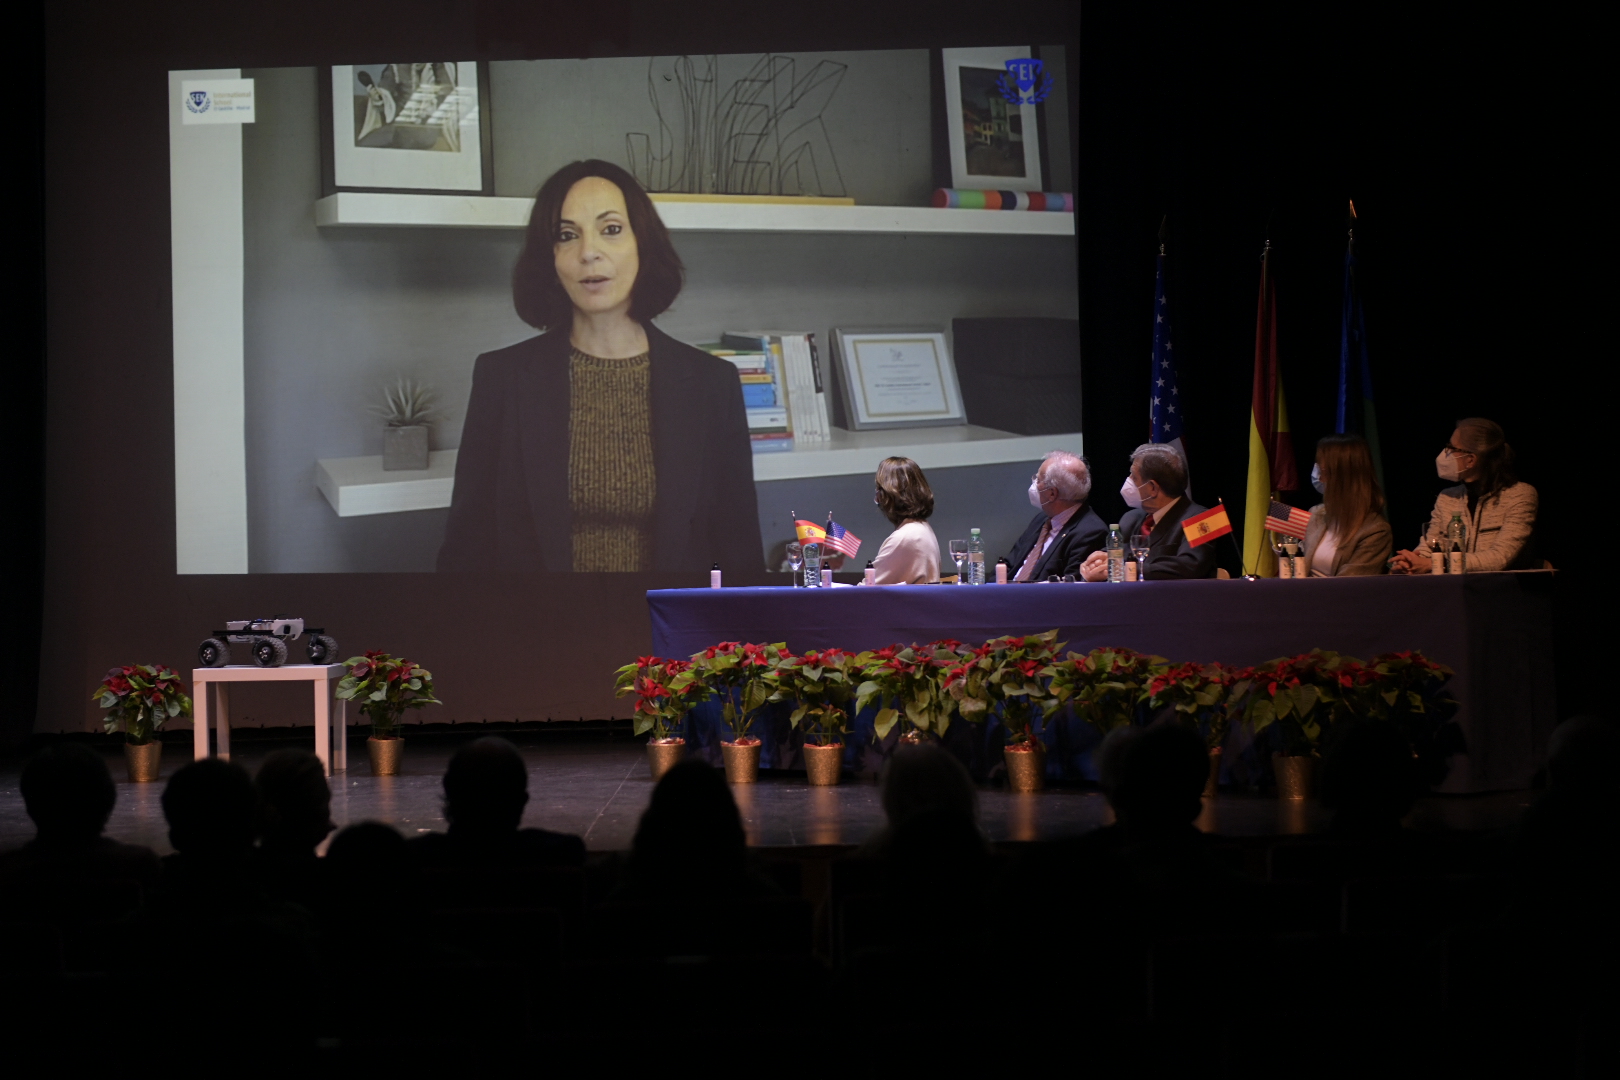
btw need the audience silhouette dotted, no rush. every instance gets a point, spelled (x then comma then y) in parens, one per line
(690, 843)
(294, 816)
(486, 789)
(69, 793)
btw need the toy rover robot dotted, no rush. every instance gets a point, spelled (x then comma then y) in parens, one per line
(267, 640)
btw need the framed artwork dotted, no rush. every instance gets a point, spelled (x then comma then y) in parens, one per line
(990, 98)
(421, 128)
(897, 379)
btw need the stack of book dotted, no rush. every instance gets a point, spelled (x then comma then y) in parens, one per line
(764, 395)
(801, 392)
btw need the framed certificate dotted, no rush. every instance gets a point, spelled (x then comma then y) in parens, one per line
(407, 127)
(897, 379)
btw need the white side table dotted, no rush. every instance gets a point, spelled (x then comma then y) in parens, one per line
(331, 726)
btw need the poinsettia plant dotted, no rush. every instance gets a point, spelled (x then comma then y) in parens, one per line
(385, 686)
(741, 675)
(1104, 686)
(140, 699)
(665, 691)
(1303, 695)
(908, 683)
(1009, 675)
(822, 684)
(1201, 695)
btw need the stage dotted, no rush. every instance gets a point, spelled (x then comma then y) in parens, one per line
(597, 788)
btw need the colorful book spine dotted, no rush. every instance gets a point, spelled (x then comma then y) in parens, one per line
(963, 199)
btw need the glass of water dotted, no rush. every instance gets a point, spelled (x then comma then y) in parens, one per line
(1139, 548)
(812, 566)
(795, 558)
(959, 552)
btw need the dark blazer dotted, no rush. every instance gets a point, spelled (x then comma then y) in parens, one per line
(510, 508)
(1082, 534)
(1170, 556)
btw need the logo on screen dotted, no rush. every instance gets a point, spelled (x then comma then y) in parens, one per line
(1025, 83)
(197, 101)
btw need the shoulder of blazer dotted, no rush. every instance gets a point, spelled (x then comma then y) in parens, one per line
(500, 365)
(693, 362)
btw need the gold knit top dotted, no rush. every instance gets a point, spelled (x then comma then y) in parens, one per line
(611, 481)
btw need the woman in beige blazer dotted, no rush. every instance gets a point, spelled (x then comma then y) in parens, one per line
(1347, 535)
(1498, 508)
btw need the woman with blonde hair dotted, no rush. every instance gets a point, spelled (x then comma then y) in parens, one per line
(1347, 535)
(1497, 507)
(910, 554)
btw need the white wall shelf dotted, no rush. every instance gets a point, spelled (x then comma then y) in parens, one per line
(358, 486)
(348, 208)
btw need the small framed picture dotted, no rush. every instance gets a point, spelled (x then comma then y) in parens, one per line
(420, 128)
(897, 379)
(992, 127)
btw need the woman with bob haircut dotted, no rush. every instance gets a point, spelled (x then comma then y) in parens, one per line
(1498, 508)
(603, 444)
(910, 554)
(1347, 535)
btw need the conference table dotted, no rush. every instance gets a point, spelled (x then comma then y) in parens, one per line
(1493, 629)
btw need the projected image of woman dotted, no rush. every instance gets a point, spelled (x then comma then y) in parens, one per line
(603, 444)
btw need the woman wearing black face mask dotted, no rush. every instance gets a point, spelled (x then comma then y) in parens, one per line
(1347, 536)
(1497, 507)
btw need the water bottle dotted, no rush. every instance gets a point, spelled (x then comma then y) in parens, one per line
(975, 558)
(812, 566)
(1456, 545)
(1116, 554)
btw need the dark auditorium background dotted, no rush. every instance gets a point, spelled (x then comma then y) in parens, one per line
(1460, 138)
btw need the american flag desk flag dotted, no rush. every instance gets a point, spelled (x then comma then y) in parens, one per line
(1210, 525)
(1287, 520)
(841, 540)
(809, 532)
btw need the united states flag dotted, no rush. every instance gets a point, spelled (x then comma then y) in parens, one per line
(1165, 413)
(1287, 520)
(841, 540)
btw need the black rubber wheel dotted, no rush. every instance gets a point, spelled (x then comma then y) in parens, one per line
(269, 652)
(214, 653)
(322, 649)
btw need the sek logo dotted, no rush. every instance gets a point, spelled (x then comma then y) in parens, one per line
(1019, 84)
(198, 101)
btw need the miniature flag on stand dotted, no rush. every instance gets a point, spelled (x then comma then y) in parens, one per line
(1287, 520)
(809, 532)
(841, 540)
(1210, 525)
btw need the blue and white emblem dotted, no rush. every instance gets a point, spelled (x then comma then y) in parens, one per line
(198, 101)
(1026, 82)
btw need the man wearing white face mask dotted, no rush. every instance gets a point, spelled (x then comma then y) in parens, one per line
(1066, 530)
(1157, 492)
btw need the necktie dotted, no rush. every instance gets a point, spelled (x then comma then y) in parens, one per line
(1035, 552)
(1147, 526)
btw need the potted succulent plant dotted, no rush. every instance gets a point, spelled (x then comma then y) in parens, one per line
(1299, 697)
(665, 690)
(407, 410)
(740, 674)
(821, 683)
(385, 686)
(140, 699)
(1010, 676)
(1200, 696)
(908, 683)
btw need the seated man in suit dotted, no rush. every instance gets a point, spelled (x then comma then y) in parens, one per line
(1066, 530)
(1157, 489)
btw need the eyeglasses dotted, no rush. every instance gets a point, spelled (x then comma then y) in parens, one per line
(1457, 450)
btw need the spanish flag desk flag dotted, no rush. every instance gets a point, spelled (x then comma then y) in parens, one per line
(809, 532)
(1210, 525)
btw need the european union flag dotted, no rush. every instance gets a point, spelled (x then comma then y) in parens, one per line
(1165, 412)
(1355, 411)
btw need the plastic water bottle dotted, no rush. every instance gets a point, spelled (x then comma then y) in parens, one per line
(975, 558)
(1456, 545)
(1116, 554)
(812, 566)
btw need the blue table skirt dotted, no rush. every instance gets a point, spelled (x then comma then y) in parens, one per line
(1494, 630)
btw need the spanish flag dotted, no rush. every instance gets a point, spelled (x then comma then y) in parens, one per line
(1210, 525)
(809, 532)
(1271, 446)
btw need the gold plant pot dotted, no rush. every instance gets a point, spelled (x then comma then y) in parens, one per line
(1026, 766)
(1295, 775)
(742, 760)
(1213, 784)
(145, 761)
(663, 754)
(823, 763)
(385, 755)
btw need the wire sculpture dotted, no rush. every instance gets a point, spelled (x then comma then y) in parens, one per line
(764, 135)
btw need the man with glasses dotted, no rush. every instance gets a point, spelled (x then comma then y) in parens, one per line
(1066, 530)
